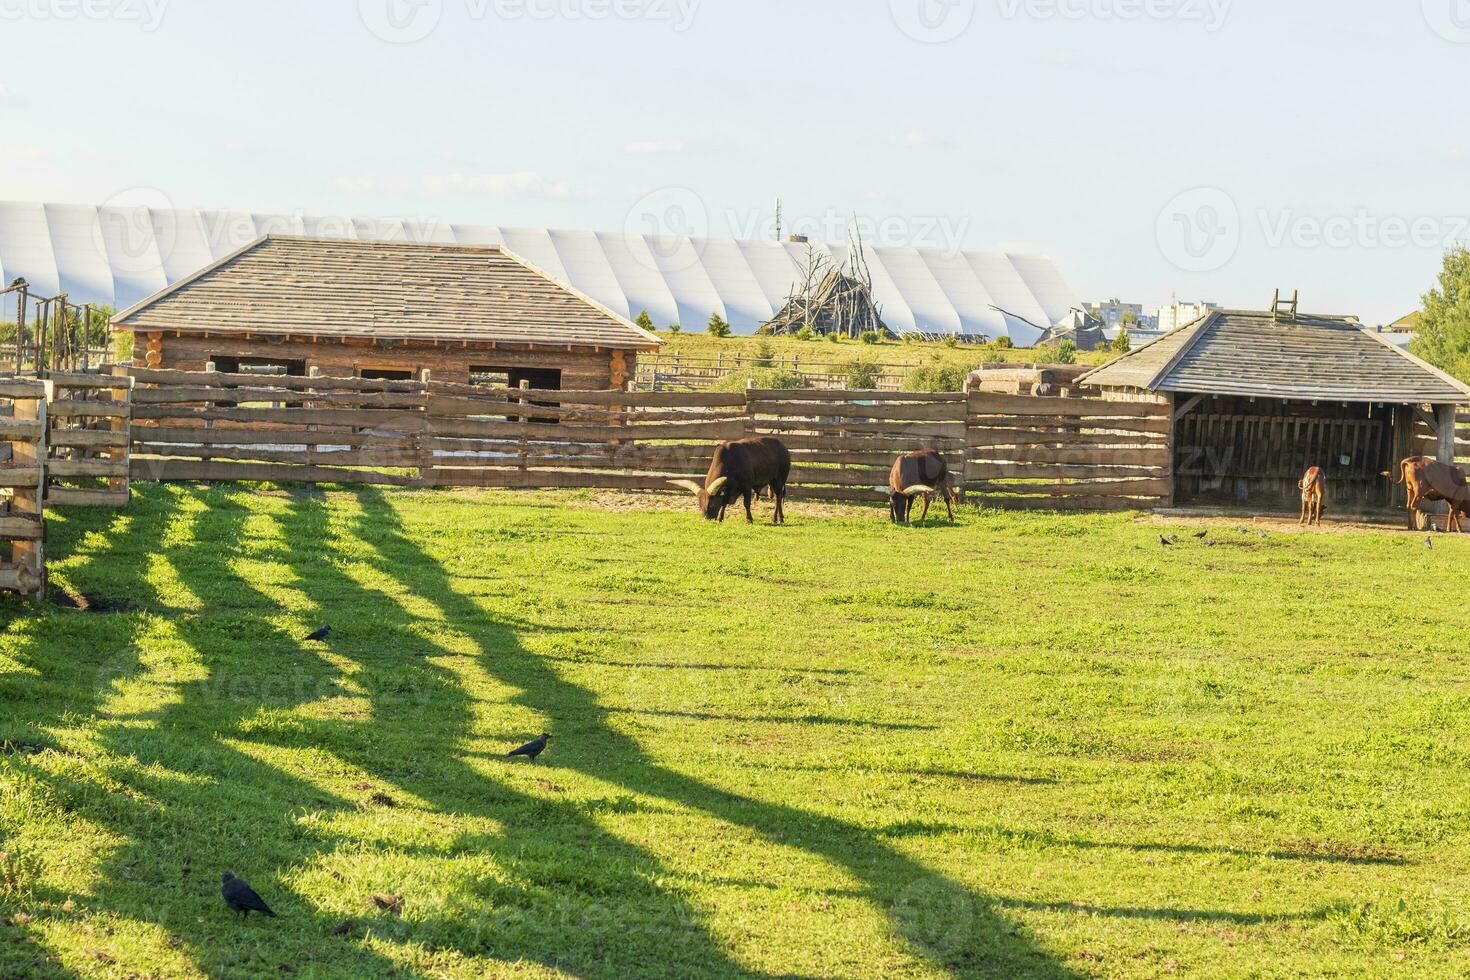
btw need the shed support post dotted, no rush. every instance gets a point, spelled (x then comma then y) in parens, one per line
(1174, 414)
(1403, 442)
(1446, 417)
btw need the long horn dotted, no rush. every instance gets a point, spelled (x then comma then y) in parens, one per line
(689, 485)
(915, 491)
(719, 484)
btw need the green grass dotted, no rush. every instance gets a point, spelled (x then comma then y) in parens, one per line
(1029, 745)
(700, 344)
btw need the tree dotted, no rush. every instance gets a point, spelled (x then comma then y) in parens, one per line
(863, 375)
(645, 321)
(717, 327)
(1130, 319)
(1067, 352)
(1121, 343)
(1444, 327)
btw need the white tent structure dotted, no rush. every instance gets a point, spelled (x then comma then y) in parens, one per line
(120, 255)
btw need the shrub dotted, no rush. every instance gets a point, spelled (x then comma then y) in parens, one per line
(645, 321)
(1067, 352)
(951, 341)
(759, 378)
(834, 338)
(674, 328)
(1121, 343)
(863, 375)
(717, 326)
(765, 355)
(1002, 343)
(805, 333)
(938, 377)
(869, 336)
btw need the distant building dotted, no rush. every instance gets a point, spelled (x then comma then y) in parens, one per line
(1177, 314)
(1112, 312)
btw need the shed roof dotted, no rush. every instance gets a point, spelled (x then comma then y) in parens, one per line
(1309, 358)
(346, 288)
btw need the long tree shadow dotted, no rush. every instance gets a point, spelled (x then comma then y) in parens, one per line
(184, 803)
(940, 921)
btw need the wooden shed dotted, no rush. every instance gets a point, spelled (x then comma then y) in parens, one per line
(391, 310)
(1258, 397)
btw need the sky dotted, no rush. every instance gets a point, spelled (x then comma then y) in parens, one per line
(1204, 149)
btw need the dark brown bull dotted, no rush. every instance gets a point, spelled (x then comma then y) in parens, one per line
(1428, 479)
(920, 474)
(741, 470)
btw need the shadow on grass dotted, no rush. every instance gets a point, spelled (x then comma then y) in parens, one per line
(940, 922)
(1030, 838)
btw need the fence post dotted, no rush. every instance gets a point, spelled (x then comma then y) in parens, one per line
(425, 435)
(29, 556)
(523, 451)
(122, 454)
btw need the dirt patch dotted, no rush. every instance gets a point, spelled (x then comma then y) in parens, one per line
(1244, 528)
(81, 602)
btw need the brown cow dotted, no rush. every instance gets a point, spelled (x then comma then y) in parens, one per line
(1428, 479)
(920, 474)
(1314, 491)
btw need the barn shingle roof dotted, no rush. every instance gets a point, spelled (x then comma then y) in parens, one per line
(1248, 353)
(341, 288)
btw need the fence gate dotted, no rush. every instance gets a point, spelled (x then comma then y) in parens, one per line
(23, 431)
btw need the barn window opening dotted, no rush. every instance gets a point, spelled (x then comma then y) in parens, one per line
(385, 374)
(541, 379)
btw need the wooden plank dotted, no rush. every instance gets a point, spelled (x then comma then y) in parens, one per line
(73, 497)
(22, 527)
(716, 431)
(1155, 426)
(984, 403)
(1051, 471)
(1068, 503)
(19, 430)
(894, 445)
(64, 379)
(72, 408)
(22, 389)
(1020, 439)
(366, 418)
(283, 437)
(916, 430)
(1090, 456)
(20, 476)
(371, 457)
(1095, 488)
(549, 479)
(194, 394)
(87, 439)
(839, 494)
(867, 477)
(20, 577)
(85, 467)
(847, 395)
(944, 412)
(159, 376)
(156, 468)
(622, 399)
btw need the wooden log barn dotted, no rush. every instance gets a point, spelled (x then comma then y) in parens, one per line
(1259, 397)
(389, 310)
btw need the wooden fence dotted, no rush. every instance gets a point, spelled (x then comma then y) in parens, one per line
(1011, 451)
(87, 439)
(23, 429)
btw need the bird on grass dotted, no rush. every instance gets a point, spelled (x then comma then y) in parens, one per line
(1429, 543)
(320, 635)
(240, 897)
(1165, 541)
(1202, 534)
(531, 749)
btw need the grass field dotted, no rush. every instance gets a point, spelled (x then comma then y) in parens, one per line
(698, 343)
(1024, 746)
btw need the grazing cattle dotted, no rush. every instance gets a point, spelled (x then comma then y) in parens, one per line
(1428, 479)
(920, 474)
(1314, 491)
(741, 470)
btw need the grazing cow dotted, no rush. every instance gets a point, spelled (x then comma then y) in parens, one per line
(920, 474)
(1427, 479)
(741, 470)
(1314, 491)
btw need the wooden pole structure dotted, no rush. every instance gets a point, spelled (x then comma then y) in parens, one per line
(29, 556)
(123, 426)
(1446, 418)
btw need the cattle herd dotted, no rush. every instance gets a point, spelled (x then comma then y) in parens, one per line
(742, 470)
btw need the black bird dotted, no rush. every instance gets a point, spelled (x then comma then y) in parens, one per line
(531, 749)
(1165, 541)
(320, 634)
(240, 897)
(1202, 534)
(1429, 542)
